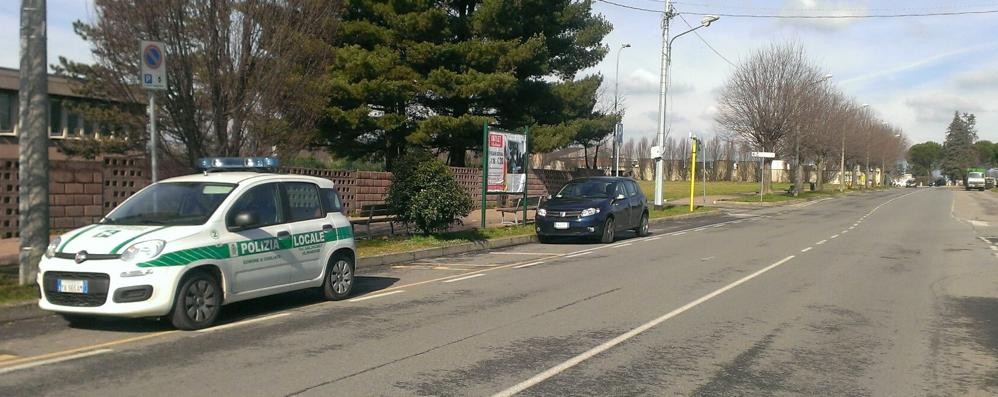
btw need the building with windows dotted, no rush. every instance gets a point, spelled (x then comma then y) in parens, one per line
(64, 120)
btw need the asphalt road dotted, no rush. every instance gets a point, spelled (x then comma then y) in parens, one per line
(888, 293)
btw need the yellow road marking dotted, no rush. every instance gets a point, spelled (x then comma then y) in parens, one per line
(6, 357)
(86, 348)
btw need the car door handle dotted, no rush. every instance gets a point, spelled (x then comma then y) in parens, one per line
(283, 233)
(327, 228)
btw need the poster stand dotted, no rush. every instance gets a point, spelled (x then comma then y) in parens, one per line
(500, 142)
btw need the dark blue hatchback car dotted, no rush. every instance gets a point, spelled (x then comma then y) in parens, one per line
(596, 207)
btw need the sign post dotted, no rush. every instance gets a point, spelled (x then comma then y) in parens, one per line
(153, 79)
(762, 161)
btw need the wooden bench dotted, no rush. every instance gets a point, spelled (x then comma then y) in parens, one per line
(375, 213)
(532, 203)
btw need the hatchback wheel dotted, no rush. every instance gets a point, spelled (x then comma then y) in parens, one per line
(642, 229)
(197, 303)
(339, 278)
(608, 231)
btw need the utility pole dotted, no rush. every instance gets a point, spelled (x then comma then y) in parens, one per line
(663, 86)
(618, 130)
(33, 156)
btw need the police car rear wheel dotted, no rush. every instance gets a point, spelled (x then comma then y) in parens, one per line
(197, 302)
(339, 278)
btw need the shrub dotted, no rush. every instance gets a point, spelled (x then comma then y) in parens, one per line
(424, 193)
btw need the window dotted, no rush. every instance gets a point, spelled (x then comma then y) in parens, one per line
(632, 190)
(73, 121)
(303, 201)
(331, 201)
(8, 111)
(619, 190)
(55, 118)
(178, 203)
(263, 200)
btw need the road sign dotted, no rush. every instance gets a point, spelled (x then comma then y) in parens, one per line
(618, 133)
(767, 155)
(153, 65)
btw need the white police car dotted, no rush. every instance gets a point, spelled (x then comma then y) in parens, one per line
(185, 246)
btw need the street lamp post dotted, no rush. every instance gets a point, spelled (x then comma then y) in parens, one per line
(616, 86)
(842, 162)
(797, 168)
(663, 85)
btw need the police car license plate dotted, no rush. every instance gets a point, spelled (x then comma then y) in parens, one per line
(71, 286)
(561, 225)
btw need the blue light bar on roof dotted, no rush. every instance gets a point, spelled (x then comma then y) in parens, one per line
(238, 163)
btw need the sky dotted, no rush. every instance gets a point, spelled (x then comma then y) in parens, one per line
(914, 72)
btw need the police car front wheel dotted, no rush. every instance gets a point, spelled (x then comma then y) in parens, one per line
(197, 302)
(339, 277)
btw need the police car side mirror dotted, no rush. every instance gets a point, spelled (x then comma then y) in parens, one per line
(246, 219)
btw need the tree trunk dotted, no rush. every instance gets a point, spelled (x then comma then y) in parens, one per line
(819, 177)
(767, 176)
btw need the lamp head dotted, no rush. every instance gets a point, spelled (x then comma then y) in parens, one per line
(708, 19)
(625, 45)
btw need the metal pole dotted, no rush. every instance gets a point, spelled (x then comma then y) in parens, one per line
(485, 167)
(842, 164)
(762, 161)
(616, 98)
(526, 169)
(153, 138)
(33, 155)
(663, 86)
(704, 172)
(693, 170)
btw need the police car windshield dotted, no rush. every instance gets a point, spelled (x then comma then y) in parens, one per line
(174, 203)
(586, 189)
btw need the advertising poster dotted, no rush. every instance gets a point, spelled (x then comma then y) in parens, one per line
(507, 162)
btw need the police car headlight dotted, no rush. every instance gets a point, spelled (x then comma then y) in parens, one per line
(53, 245)
(589, 212)
(143, 251)
(542, 212)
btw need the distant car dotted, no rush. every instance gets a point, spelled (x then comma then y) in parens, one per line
(940, 182)
(596, 207)
(911, 183)
(989, 183)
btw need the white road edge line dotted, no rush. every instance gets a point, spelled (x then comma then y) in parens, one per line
(629, 334)
(54, 360)
(453, 280)
(677, 234)
(528, 265)
(806, 249)
(621, 245)
(245, 322)
(821, 242)
(364, 298)
(579, 254)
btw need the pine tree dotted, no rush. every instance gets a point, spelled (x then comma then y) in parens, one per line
(958, 149)
(430, 73)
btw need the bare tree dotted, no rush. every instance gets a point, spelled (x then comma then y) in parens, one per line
(643, 148)
(245, 76)
(763, 100)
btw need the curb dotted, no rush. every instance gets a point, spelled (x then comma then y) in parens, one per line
(21, 311)
(478, 246)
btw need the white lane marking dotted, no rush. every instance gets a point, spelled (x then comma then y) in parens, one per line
(993, 248)
(579, 254)
(852, 227)
(629, 334)
(622, 245)
(523, 253)
(984, 239)
(678, 234)
(54, 360)
(821, 242)
(718, 225)
(806, 249)
(654, 238)
(453, 280)
(364, 298)
(844, 232)
(834, 236)
(245, 322)
(528, 265)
